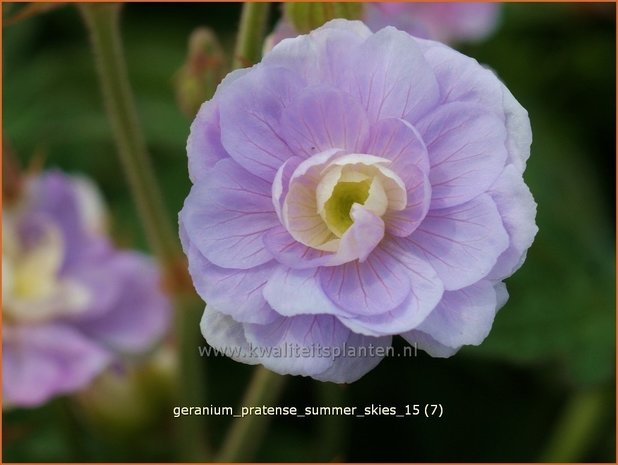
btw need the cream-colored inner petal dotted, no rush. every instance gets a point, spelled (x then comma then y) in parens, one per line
(317, 207)
(35, 290)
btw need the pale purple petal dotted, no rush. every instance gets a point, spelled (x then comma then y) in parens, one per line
(51, 198)
(293, 292)
(375, 286)
(225, 334)
(140, 314)
(226, 216)
(250, 109)
(94, 275)
(204, 148)
(462, 243)
(283, 30)
(426, 290)
(357, 28)
(296, 337)
(324, 118)
(463, 79)
(322, 56)
(425, 342)
(463, 317)
(402, 223)
(289, 252)
(237, 293)
(39, 362)
(397, 140)
(518, 211)
(502, 295)
(391, 77)
(362, 354)
(467, 152)
(519, 130)
(403, 318)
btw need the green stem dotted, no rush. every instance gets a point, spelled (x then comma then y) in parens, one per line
(249, 43)
(103, 22)
(245, 435)
(191, 431)
(332, 428)
(576, 427)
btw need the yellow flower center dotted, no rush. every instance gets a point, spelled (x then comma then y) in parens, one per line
(318, 207)
(32, 288)
(337, 207)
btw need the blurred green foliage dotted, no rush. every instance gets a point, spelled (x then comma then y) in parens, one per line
(554, 338)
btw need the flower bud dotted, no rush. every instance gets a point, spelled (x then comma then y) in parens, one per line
(197, 79)
(127, 398)
(308, 16)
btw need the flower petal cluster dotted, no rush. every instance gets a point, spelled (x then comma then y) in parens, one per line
(350, 187)
(72, 303)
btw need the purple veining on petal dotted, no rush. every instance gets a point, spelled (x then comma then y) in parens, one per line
(462, 243)
(467, 152)
(323, 118)
(226, 216)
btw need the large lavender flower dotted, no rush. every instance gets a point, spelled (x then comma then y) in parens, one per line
(350, 187)
(71, 302)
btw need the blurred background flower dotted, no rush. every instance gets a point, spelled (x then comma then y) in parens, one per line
(445, 22)
(72, 302)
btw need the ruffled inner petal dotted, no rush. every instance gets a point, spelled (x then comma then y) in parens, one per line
(322, 118)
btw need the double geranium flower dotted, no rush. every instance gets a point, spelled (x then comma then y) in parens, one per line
(350, 187)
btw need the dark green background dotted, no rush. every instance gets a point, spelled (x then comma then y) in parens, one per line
(552, 342)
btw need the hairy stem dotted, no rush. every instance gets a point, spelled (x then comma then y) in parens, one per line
(103, 23)
(250, 38)
(245, 435)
